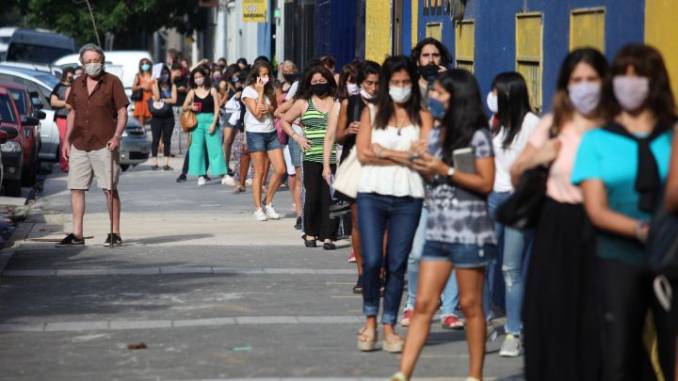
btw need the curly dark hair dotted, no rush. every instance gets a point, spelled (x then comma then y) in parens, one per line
(445, 58)
(305, 85)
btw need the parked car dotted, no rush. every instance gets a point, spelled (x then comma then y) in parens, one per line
(6, 134)
(38, 46)
(41, 84)
(17, 150)
(134, 147)
(5, 36)
(123, 63)
(30, 117)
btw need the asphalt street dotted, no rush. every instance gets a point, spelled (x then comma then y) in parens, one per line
(206, 291)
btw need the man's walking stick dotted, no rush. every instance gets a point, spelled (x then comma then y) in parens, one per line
(111, 196)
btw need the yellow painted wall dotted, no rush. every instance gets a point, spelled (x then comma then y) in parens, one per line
(415, 22)
(661, 31)
(377, 29)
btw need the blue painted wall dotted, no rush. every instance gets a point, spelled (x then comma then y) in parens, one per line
(495, 33)
(335, 29)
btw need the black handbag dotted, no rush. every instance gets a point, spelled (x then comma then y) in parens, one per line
(165, 111)
(137, 95)
(662, 244)
(523, 208)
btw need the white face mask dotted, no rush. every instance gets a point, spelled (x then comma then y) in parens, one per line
(631, 91)
(400, 95)
(352, 89)
(366, 96)
(585, 97)
(492, 102)
(93, 69)
(264, 80)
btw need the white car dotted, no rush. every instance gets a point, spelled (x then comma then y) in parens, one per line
(41, 83)
(123, 63)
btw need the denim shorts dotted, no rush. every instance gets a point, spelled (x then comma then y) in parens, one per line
(262, 141)
(296, 153)
(465, 256)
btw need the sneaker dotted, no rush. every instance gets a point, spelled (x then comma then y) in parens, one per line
(260, 215)
(358, 288)
(298, 225)
(270, 212)
(248, 182)
(407, 317)
(231, 173)
(71, 240)
(451, 322)
(181, 178)
(511, 346)
(351, 257)
(228, 180)
(117, 240)
(202, 181)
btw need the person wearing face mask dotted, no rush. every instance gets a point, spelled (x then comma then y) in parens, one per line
(347, 128)
(347, 84)
(510, 104)
(432, 57)
(560, 276)
(622, 169)
(162, 124)
(97, 116)
(143, 82)
(317, 109)
(58, 101)
(460, 233)
(390, 194)
(262, 138)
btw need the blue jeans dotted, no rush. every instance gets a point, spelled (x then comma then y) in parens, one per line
(515, 246)
(376, 215)
(451, 292)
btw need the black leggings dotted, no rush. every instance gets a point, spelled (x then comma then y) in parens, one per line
(162, 127)
(317, 222)
(627, 295)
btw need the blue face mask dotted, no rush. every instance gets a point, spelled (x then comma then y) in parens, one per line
(145, 67)
(436, 108)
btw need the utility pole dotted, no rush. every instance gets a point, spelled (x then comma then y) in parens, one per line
(94, 23)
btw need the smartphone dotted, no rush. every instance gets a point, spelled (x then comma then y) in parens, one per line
(464, 160)
(197, 105)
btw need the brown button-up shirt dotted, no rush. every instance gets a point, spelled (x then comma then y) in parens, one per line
(96, 114)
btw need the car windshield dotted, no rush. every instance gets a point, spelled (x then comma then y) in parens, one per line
(35, 53)
(6, 112)
(19, 100)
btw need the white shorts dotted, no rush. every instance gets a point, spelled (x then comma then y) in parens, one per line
(83, 166)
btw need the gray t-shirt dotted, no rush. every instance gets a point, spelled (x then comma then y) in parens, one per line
(457, 215)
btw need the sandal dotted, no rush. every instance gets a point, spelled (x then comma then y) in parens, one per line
(309, 242)
(367, 342)
(400, 376)
(394, 345)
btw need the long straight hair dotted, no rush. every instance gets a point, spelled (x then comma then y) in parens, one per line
(385, 105)
(269, 91)
(465, 113)
(514, 103)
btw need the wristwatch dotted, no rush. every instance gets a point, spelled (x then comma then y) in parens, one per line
(450, 171)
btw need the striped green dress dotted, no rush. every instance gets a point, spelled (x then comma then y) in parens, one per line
(315, 128)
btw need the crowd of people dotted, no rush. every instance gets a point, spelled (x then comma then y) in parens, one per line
(432, 172)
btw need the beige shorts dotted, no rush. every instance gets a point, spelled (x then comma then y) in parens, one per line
(83, 166)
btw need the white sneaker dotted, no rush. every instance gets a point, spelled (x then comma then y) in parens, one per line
(201, 181)
(260, 215)
(270, 212)
(511, 347)
(248, 182)
(228, 180)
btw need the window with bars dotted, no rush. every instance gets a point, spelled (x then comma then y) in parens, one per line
(465, 44)
(529, 41)
(587, 28)
(434, 30)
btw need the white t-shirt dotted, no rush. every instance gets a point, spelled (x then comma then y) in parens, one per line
(292, 91)
(252, 124)
(504, 157)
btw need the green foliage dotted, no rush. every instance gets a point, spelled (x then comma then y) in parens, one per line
(123, 18)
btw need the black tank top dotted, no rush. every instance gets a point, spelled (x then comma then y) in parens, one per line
(207, 104)
(354, 110)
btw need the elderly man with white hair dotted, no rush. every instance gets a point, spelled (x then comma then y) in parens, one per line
(96, 120)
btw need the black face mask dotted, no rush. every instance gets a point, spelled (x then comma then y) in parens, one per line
(429, 72)
(290, 77)
(320, 89)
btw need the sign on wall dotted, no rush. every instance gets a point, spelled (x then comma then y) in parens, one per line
(254, 10)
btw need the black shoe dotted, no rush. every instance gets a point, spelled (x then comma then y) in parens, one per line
(117, 241)
(358, 288)
(166, 168)
(329, 246)
(71, 240)
(207, 178)
(155, 167)
(309, 242)
(298, 224)
(181, 178)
